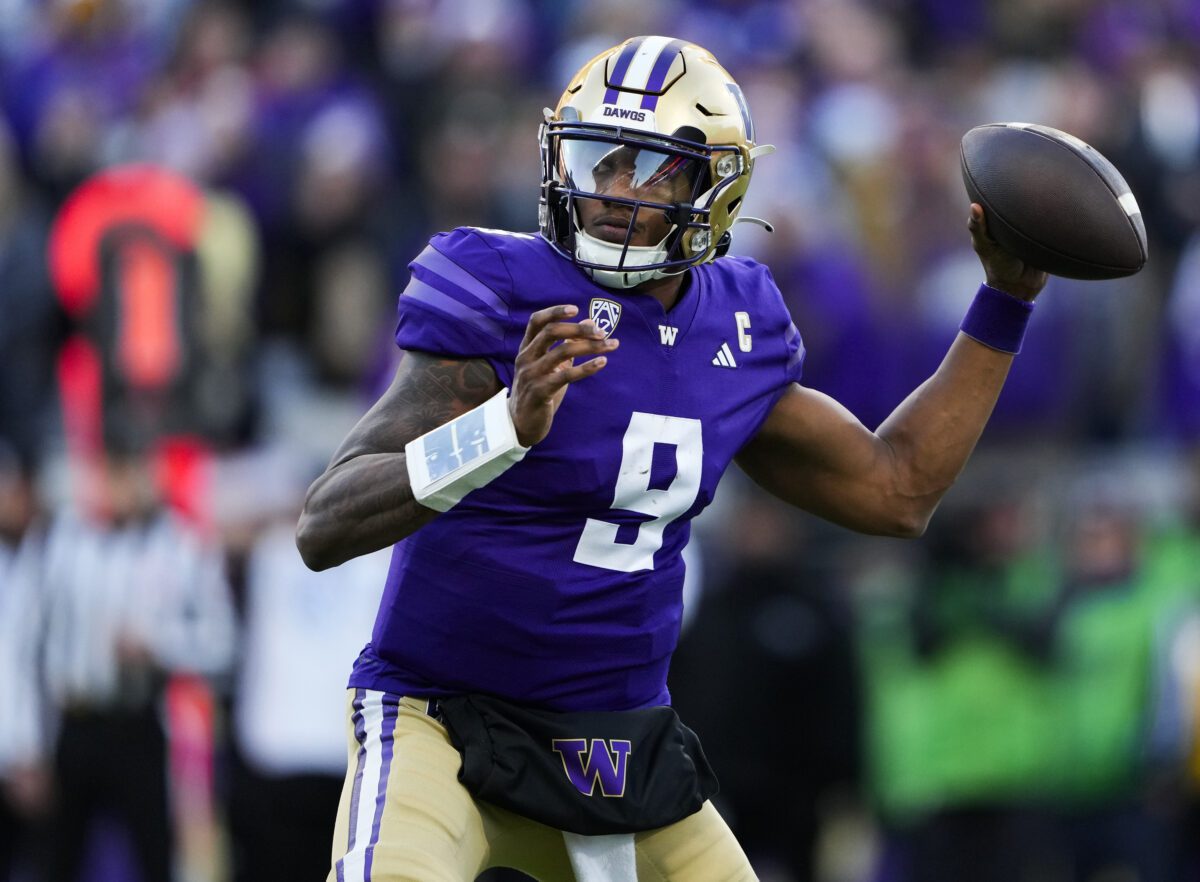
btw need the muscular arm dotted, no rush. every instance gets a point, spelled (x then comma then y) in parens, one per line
(363, 502)
(813, 453)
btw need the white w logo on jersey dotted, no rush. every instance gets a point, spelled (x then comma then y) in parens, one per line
(667, 334)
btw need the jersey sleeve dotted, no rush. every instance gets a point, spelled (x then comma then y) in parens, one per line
(792, 342)
(457, 303)
(795, 353)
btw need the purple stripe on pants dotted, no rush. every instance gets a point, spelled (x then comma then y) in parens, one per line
(658, 73)
(360, 735)
(620, 69)
(391, 709)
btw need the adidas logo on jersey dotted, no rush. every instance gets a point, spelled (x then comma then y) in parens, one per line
(724, 357)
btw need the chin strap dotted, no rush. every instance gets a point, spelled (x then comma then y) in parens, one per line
(592, 250)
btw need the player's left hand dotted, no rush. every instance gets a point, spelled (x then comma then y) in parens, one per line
(545, 367)
(1003, 270)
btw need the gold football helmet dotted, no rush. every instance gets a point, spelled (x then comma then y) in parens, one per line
(654, 125)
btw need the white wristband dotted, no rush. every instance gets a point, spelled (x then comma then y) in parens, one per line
(464, 454)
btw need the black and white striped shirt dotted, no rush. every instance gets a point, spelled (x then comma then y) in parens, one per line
(88, 588)
(20, 700)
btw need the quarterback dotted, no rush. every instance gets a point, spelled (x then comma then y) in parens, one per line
(566, 405)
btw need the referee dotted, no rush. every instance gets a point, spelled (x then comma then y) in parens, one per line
(117, 601)
(24, 786)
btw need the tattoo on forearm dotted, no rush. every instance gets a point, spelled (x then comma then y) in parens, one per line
(354, 507)
(442, 390)
(430, 394)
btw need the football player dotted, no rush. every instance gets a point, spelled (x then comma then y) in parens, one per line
(566, 405)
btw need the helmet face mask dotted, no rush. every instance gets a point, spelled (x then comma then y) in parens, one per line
(626, 200)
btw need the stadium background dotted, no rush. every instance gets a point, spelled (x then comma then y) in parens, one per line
(1014, 696)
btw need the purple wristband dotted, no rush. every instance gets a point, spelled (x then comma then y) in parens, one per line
(997, 319)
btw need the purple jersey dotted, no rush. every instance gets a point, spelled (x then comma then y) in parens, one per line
(559, 583)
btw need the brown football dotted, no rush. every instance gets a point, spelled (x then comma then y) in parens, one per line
(1054, 201)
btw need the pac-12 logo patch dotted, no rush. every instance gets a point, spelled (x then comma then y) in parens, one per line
(606, 314)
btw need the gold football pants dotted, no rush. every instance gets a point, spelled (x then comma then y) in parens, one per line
(405, 816)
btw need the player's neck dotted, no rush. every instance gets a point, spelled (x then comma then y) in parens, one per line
(666, 291)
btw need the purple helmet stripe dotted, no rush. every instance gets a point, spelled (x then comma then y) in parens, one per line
(391, 709)
(658, 73)
(621, 68)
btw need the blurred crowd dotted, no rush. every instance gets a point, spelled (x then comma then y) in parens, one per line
(1014, 697)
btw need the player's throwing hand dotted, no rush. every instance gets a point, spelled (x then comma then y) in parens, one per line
(544, 369)
(1004, 270)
